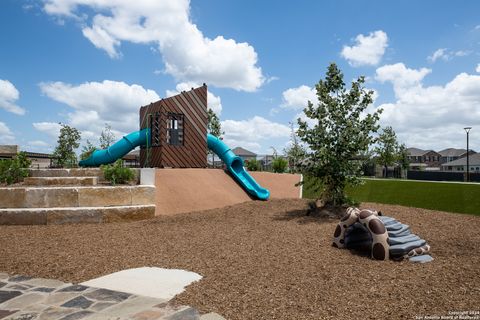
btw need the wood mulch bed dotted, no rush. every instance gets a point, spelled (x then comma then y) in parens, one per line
(266, 260)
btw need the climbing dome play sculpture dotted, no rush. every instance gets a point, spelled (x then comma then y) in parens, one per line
(385, 237)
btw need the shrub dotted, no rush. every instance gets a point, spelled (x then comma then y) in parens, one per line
(14, 170)
(253, 165)
(117, 174)
(279, 165)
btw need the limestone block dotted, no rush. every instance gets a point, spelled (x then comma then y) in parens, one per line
(143, 195)
(130, 213)
(22, 217)
(51, 197)
(12, 197)
(74, 215)
(77, 172)
(49, 181)
(86, 172)
(104, 196)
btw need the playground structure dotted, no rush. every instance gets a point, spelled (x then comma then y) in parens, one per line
(384, 237)
(173, 134)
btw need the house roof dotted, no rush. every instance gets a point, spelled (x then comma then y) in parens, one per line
(132, 155)
(38, 155)
(415, 152)
(452, 152)
(474, 160)
(239, 151)
(10, 151)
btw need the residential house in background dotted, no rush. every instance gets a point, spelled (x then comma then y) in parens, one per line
(423, 159)
(452, 154)
(266, 162)
(132, 159)
(460, 165)
(245, 154)
(39, 160)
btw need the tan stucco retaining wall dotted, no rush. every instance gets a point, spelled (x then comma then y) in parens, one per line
(281, 185)
(186, 190)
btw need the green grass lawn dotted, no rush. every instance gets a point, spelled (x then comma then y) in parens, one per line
(451, 197)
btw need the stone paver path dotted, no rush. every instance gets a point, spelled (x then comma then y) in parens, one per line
(26, 298)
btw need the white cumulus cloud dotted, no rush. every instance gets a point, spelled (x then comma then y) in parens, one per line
(368, 49)
(401, 76)
(297, 98)
(96, 103)
(50, 128)
(8, 96)
(439, 54)
(477, 69)
(38, 143)
(6, 135)
(431, 117)
(251, 133)
(40, 146)
(213, 102)
(446, 55)
(187, 53)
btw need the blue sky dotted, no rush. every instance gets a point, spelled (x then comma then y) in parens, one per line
(91, 62)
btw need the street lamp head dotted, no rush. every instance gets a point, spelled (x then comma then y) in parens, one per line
(467, 129)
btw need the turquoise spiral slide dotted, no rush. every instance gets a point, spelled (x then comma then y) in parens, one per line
(129, 142)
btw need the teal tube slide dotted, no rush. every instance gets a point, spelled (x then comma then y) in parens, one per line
(129, 142)
(234, 165)
(118, 149)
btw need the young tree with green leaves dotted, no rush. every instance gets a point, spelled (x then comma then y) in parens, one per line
(402, 159)
(389, 151)
(341, 132)
(68, 141)
(107, 138)
(87, 150)
(386, 148)
(295, 152)
(214, 128)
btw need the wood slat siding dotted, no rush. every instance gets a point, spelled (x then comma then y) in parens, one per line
(192, 139)
(193, 153)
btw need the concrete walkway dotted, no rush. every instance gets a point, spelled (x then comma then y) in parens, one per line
(26, 298)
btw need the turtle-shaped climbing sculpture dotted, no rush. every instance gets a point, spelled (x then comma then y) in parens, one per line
(385, 237)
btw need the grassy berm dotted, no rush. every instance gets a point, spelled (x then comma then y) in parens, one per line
(449, 197)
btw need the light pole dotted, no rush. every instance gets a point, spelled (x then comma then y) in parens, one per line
(467, 130)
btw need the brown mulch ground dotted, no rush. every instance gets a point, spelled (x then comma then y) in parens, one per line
(266, 260)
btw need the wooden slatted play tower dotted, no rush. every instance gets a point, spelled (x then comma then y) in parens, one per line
(178, 127)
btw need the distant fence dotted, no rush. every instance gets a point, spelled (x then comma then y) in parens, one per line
(442, 176)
